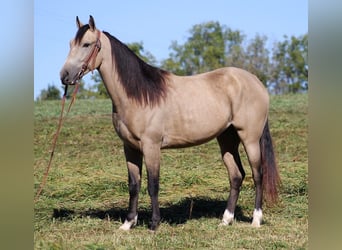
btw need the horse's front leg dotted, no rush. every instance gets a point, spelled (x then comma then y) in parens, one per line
(152, 161)
(134, 166)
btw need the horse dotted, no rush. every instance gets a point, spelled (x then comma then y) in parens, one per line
(154, 109)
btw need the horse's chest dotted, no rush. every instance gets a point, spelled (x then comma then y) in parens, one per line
(124, 132)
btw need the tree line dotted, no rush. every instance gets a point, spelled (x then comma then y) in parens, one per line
(210, 45)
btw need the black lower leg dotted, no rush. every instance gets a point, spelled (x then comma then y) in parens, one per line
(133, 199)
(232, 200)
(258, 192)
(235, 185)
(153, 189)
(134, 165)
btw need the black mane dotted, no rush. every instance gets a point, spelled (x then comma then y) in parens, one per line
(141, 81)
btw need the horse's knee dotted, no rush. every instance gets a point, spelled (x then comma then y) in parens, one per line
(236, 182)
(134, 183)
(133, 189)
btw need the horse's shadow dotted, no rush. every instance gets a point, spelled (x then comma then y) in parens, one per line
(173, 214)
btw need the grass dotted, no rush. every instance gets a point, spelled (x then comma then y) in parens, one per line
(86, 196)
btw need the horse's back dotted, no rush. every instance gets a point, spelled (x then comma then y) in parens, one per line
(238, 80)
(223, 79)
(229, 86)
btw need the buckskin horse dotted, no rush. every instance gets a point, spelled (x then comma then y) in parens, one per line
(154, 109)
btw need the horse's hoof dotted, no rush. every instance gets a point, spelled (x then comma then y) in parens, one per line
(129, 224)
(153, 227)
(228, 218)
(125, 226)
(257, 218)
(256, 224)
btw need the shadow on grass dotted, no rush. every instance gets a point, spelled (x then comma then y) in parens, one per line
(174, 214)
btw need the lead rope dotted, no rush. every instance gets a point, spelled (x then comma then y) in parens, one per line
(54, 141)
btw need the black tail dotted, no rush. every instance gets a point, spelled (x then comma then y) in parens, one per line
(270, 176)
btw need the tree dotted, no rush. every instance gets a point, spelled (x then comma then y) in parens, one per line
(176, 62)
(257, 59)
(206, 47)
(203, 51)
(290, 65)
(234, 52)
(52, 93)
(209, 46)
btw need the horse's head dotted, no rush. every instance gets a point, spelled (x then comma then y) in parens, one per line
(83, 55)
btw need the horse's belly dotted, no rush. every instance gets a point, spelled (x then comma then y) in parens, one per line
(195, 130)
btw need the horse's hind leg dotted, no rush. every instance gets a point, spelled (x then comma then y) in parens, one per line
(229, 145)
(134, 166)
(254, 157)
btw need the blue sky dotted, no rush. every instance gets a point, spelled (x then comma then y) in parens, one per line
(155, 23)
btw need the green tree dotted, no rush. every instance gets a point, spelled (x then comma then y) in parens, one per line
(290, 65)
(177, 62)
(257, 58)
(206, 46)
(203, 51)
(51, 93)
(209, 46)
(235, 53)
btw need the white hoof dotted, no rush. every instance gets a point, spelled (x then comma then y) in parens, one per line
(257, 218)
(228, 218)
(129, 224)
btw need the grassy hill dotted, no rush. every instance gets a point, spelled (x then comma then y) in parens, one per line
(86, 195)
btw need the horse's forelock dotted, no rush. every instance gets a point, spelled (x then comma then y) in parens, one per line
(80, 33)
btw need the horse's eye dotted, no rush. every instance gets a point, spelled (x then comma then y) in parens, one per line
(86, 45)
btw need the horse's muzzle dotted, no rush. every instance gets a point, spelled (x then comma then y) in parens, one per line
(67, 79)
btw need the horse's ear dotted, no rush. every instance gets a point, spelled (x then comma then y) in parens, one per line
(78, 23)
(91, 23)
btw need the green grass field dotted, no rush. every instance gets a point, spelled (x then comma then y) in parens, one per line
(86, 196)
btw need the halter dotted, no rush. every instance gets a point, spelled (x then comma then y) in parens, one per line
(92, 56)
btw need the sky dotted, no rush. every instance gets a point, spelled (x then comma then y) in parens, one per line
(155, 23)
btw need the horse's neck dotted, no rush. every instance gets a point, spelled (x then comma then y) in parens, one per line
(114, 88)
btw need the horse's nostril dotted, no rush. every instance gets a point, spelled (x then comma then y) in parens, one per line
(66, 73)
(65, 77)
